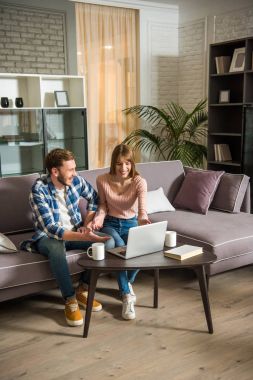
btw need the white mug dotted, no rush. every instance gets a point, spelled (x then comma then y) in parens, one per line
(98, 251)
(170, 238)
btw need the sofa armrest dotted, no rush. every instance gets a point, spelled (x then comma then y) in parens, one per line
(246, 204)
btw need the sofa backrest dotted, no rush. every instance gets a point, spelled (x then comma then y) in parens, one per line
(166, 174)
(14, 203)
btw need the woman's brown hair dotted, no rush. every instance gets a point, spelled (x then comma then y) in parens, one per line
(125, 151)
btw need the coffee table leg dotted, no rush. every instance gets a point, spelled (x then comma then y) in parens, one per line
(204, 294)
(91, 293)
(156, 285)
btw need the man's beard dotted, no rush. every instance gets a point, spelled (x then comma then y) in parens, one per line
(61, 179)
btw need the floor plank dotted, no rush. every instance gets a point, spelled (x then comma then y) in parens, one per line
(170, 342)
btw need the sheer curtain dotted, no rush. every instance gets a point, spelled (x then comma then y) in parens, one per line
(107, 56)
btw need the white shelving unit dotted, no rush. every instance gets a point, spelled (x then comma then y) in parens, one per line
(37, 91)
(27, 133)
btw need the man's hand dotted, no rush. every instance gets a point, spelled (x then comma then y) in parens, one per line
(88, 235)
(83, 229)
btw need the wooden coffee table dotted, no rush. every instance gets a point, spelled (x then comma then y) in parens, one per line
(154, 261)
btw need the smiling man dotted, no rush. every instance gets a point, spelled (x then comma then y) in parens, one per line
(59, 227)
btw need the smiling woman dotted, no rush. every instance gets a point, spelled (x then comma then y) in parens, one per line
(106, 38)
(119, 191)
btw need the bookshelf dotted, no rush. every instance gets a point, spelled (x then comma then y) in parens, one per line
(226, 124)
(28, 133)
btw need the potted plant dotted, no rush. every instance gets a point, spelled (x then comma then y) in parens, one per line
(173, 134)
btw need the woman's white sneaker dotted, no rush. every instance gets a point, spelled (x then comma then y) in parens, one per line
(128, 307)
(133, 295)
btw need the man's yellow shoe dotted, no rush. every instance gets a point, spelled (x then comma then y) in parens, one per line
(82, 298)
(73, 314)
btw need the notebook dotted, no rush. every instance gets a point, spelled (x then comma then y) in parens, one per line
(142, 240)
(183, 252)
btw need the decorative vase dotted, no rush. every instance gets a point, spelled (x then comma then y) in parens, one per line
(19, 102)
(4, 102)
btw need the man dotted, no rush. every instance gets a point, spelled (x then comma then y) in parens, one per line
(54, 200)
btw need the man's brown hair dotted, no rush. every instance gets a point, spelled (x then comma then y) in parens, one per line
(55, 158)
(123, 150)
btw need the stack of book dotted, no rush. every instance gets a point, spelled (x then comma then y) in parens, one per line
(222, 152)
(222, 64)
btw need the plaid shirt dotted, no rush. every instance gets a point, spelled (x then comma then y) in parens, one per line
(45, 209)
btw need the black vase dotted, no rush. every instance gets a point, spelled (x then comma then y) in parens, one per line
(19, 102)
(4, 102)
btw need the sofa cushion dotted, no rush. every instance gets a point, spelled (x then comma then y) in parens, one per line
(25, 268)
(228, 236)
(230, 192)
(197, 190)
(157, 202)
(6, 245)
(14, 203)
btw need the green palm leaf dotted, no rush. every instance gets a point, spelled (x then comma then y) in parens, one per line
(173, 134)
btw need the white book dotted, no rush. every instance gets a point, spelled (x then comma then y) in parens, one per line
(183, 252)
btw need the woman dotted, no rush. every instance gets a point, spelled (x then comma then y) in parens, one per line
(120, 191)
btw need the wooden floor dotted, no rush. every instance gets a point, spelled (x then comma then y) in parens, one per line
(169, 343)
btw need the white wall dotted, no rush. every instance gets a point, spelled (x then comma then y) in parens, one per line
(158, 56)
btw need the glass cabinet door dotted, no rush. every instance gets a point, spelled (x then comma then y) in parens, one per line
(21, 142)
(67, 129)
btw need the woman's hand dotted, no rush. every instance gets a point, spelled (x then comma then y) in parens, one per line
(143, 221)
(96, 225)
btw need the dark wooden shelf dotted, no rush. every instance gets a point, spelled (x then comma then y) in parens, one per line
(225, 134)
(225, 104)
(227, 74)
(228, 163)
(231, 123)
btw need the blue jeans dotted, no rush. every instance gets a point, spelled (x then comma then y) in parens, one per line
(118, 228)
(55, 251)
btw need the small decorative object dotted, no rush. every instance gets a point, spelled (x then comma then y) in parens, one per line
(224, 96)
(61, 98)
(222, 64)
(4, 102)
(238, 60)
(19, 102)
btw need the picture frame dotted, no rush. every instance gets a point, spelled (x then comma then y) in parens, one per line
(238, 60)
(61, 98)
(224, 96)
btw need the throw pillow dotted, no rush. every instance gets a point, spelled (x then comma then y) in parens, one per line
(158, 202)
(197, 190)
(6, 245)
(230, 192)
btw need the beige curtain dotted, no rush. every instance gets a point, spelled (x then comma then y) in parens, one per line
(107, 56)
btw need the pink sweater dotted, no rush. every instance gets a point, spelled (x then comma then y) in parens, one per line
(121, 205)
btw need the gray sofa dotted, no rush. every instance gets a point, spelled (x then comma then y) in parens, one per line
(229, 236)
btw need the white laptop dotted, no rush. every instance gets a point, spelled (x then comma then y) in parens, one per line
(142, 240)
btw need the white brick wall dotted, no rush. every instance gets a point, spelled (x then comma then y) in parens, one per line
(31, 40)
(233, 25)
(191, 73)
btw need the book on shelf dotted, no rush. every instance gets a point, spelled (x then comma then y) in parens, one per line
(222, 152)
(183, 252)
(222, 64)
